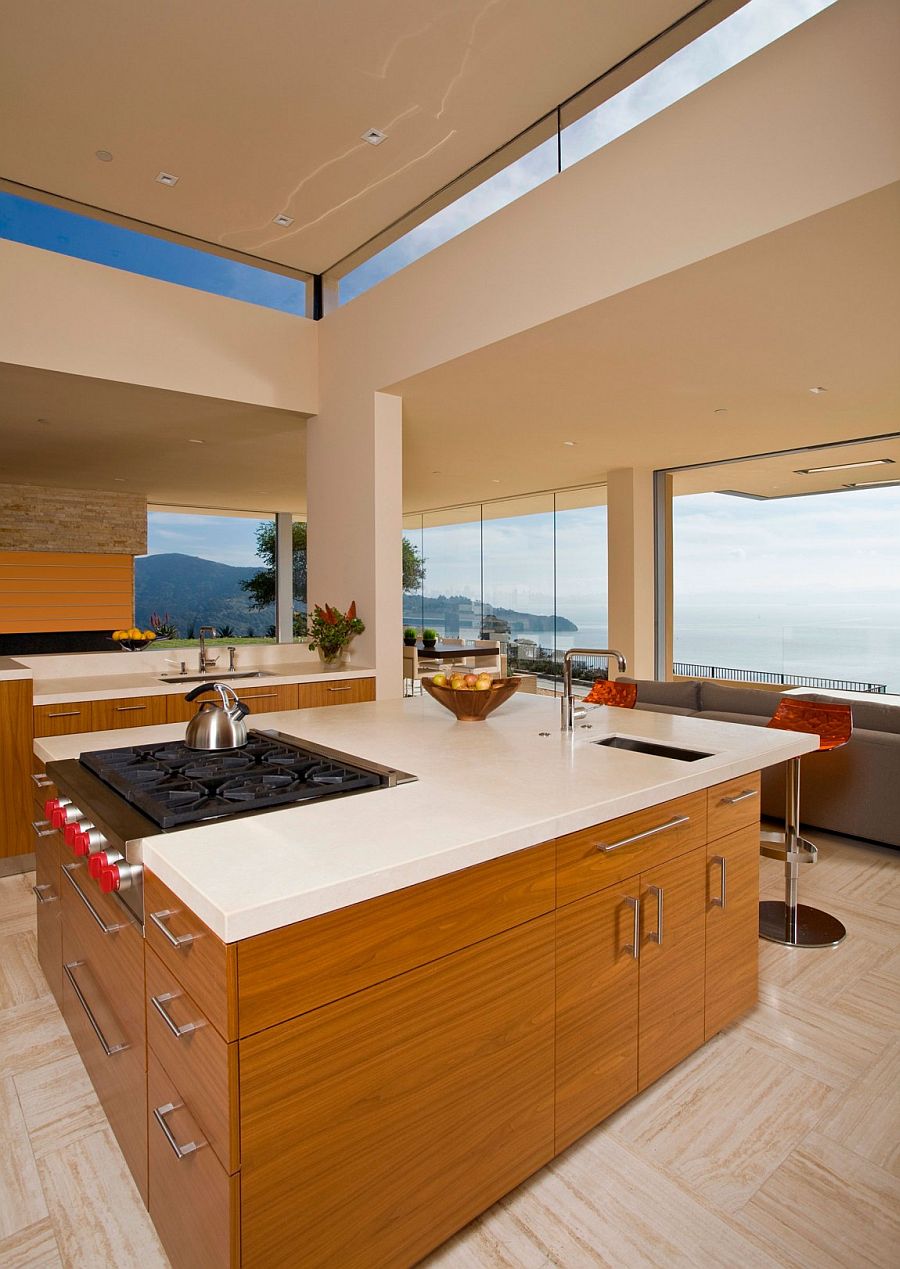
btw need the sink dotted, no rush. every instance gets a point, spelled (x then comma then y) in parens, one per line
(653, 748)
(216, 676)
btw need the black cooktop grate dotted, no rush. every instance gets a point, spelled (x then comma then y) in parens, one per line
(174, 785)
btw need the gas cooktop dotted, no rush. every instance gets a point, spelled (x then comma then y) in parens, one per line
(174, 785)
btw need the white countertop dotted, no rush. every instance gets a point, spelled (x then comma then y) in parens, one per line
(11, 669)
(484, 790)
(98, 687)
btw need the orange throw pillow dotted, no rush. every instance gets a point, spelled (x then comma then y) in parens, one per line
(605, 692)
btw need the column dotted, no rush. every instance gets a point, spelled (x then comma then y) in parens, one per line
(631, 569)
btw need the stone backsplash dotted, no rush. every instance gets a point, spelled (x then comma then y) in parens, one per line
(34, 518)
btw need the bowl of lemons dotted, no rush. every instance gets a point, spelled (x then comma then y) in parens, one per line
(133, 640)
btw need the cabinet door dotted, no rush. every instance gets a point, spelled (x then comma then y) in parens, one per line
(64, 719)
(596, 1009)
(269, 699)
(673, 943)
(336, 692)
(49, 909)
(732, 927)
(128, 711)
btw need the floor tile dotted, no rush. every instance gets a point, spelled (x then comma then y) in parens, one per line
(58, 1103)
(17, 904)
(122, 1235)
(828, 1208)
(866, 1119)
(31, 1248)
(21, 1197)
(21, 977)
(32, 1034)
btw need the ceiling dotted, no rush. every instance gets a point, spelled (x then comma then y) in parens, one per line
(259, 109)
(710, 362)
(73, 432)
(862, 464)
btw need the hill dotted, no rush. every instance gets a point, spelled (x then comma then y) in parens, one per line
(196, 592)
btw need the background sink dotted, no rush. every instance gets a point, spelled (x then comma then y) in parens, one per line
(216, 676)
(651, 747)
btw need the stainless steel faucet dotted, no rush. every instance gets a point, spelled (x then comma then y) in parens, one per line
(232, 659)
(568, 704)
(205, 660)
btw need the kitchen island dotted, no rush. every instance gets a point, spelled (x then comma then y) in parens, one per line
(378, 1014)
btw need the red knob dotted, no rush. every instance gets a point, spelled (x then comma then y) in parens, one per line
(71, 832)
(109, 878)
(101, 859)
(51, 805)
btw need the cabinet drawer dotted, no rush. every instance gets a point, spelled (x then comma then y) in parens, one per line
(266, 700)
(199, 1061)
(110, 1036)
(602, 855)
(49, 911)
(338, 692)
(733, 805)
(194, 1203)
(62, 720)
(202, 963)
(129, 711)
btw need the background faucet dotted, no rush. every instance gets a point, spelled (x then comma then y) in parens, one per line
(205, 660)
(568, 704)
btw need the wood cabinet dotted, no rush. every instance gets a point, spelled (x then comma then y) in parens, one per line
(49, 908)
(15, 767)
(129, 711)
(64, 719)
(338, 692)
(732, 927)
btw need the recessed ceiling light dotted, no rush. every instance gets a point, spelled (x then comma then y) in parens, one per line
(817, 391)
(495, 482)
(42, 420)
(374, 136)
(283, 220)
(869, 462)
(437, 473)
(166, 178)
(192, 440)
(103, 155)
(570, 443)
(720, 410)
(120, 479)
(860, 484)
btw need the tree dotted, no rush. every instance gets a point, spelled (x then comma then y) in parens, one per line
(413, 566)
(262, 586)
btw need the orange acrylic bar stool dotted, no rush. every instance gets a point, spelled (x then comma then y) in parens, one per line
(611, 692)
(791, 923)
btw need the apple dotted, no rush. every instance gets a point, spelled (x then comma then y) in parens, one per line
(457, 681)
(439, 680)
(483, 683)
(471, 680)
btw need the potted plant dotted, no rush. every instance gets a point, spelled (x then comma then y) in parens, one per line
(410, 636)
(429, 638)
(331, 631)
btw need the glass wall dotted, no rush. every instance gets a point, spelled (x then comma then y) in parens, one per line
(530, 572)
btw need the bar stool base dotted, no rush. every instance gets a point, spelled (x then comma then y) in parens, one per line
(814, 928)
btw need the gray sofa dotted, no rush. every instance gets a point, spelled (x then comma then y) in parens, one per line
(854, 790)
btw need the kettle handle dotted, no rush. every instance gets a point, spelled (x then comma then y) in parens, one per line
(200, 689)
(222, 688)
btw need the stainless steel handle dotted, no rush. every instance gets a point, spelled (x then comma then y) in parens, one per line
(39, 896)
(606, 847)
(657, 937)
(68, 713)
(108, 1049)
(124, 709)
(720, 902)
(177, 940)
(634, 947)
(159, 1004)
(106, 928)
(340, 689)
(159, 1114)
(741, 797)
(261, 696)
(42, 828)
(41, 780)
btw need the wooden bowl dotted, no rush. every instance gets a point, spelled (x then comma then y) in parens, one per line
(472, 706)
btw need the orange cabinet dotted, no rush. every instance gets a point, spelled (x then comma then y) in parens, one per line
(129, 711)
(732, 927)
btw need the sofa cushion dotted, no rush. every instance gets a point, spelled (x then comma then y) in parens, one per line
(870, 715)
(738, 700)
(683, 694)
(665, 709)
(723, 716)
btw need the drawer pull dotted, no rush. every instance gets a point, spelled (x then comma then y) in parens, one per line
(41, 780)
(124, 709)
(108, 1049)
(657, 936)
(42, 828)
(634, 947)
(38, 893)
(159, 1114)
(67, 713)
(606, 847)
(159, 1004)
(261, 696)
(159, 919)
(106, 928)
(720, 902)
(340, 689)
(740, 797)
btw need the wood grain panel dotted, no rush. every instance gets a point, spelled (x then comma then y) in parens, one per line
(375, 1127)
(178, 710)
(199, 1061)
(596, 1010)
(194, 1203)
(582, 867)
(49, 912)
(672, 972)
(15, 767)
(732, 931)
(268, 699)
(49, 591)
(205, 966)
(131, 711)
(339, 692)
(300, 967)
(729, 808)
(64, 719)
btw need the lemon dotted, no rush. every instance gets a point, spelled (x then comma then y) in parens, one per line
(119, 635)
(149, 634)
(134, 633)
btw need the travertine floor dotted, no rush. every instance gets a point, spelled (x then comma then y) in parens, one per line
(776, 1144)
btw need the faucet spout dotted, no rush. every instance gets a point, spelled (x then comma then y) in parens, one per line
(205, 660)
(568, 704)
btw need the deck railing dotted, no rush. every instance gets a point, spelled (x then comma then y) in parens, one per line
(689, 670)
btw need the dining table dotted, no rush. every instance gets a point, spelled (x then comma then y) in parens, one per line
(456, 653)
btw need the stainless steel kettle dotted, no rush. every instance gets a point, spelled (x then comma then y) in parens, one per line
(217, 724)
